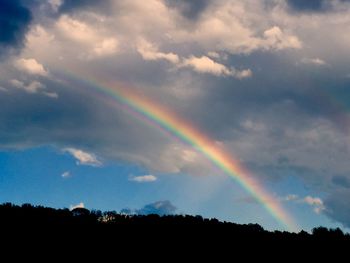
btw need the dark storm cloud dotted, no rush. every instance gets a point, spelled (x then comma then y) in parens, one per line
(75, 5)
(189, 8)
(14, 23)
(337, 207)
(342, 181)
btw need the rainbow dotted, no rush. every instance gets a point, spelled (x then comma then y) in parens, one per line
(161, 118)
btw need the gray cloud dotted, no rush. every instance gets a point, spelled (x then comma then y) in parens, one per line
(341, 180)
(337, 207)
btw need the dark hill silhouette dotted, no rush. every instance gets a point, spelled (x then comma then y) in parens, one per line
(38, 218)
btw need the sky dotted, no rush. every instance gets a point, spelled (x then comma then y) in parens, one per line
(265, 81)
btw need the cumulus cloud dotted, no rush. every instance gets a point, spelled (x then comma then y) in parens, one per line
(143, 178)
(275, 38)
(315, 202)
(202, 64)
(31, 66)
(206, 65)
(150, 52)
(80, 205)
(83, 158)
(96, 44)
(158, 208)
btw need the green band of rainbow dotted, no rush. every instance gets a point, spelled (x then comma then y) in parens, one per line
(163, 118)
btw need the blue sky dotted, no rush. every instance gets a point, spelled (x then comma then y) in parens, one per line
(37, 176)
(266, 80)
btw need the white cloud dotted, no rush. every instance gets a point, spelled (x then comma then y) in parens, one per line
(107, 46)
(150, 52)
(202, 64)
(314, 61)
(205, 64)
(3, 89)
(315, 202)
(93, 42)
(143, 179)
(275, 38)
(291, 197)
(31, 66)
(66, 174)
(83, 158)
(75, 29)
(80, 205)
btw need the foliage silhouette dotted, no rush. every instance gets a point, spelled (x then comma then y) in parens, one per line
(37, 218)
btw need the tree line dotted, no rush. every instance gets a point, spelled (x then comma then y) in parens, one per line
(29, 217)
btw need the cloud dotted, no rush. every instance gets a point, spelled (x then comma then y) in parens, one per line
(31, 66)
(291, 197)
(14, 23)
(143, 179)
(94, 41)
(315, 202)
(337, 206)
(150, 52)
(66, 174)
(33, 88)
(314, 61)
(206, 65)
(80, 205)
(158, 208)
(83, 158)
(202, 64)
(275, 38)
(342, 181)
(108, 46)
(52, 95)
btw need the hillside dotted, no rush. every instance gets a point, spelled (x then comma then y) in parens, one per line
(58, 221)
